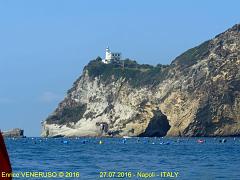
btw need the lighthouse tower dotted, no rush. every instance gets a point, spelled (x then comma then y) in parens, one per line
(110, 56)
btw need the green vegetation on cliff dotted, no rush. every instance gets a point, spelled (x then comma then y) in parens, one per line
(67, 115)
(137, 75)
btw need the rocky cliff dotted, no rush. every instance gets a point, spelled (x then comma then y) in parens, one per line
(198, 94)
(14, 133)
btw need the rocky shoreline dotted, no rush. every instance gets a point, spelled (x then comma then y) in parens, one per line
(14, 133)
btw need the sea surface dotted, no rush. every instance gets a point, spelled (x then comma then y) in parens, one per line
(131, 158)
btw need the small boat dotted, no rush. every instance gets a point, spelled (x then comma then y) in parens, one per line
(200, 141)
(126, 137)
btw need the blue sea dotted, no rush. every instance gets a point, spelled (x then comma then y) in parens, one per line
(119, 158)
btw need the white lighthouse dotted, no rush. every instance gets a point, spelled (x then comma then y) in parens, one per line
(111, 56)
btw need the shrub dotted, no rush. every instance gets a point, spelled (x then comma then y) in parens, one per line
(136, 74)
(67, 115)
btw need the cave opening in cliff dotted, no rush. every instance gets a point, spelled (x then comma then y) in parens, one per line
(158, 125)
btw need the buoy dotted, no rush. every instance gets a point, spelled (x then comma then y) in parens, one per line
(65, 142)
(222, 140)
(200, 141)
(100, 142)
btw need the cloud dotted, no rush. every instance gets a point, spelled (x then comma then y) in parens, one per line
(49, 97)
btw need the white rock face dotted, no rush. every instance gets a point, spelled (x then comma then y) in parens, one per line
(198, 95)
(113, 104)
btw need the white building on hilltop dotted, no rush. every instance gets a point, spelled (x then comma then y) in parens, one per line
(111, 56)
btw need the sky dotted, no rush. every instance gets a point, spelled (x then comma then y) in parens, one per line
(44, 44)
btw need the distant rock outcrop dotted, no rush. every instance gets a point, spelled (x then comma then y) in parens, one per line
(198, 94)
(14, 133)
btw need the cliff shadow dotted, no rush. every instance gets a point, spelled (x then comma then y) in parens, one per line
(158, 125)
